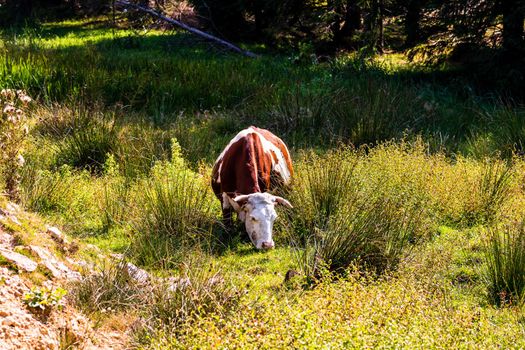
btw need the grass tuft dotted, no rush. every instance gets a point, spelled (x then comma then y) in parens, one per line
(337, 225)
(174, 212)
(505, 257)
(108, 287)
(88, 142)
(176, 302)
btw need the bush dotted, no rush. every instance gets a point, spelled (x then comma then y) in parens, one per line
(508, 126)
(109, 287)
(337, 224)
(89, 140)
(44, 190)
(115, 202)
(326, 186)
(174, 211)
(173, 303)
(373, 236)
(44, 298)
(13, 130)
(492, 192)
(505, 257)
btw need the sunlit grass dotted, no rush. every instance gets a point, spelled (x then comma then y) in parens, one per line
(423, 156)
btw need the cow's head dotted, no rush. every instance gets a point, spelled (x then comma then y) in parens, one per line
(257, 211)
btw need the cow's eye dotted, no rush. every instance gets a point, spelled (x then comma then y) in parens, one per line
(253, 219)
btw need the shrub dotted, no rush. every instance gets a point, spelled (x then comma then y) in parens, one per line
(508, 130)
(337, 223)
(374, 236)
(115, 202)
(140, 146)
(45, 190)
(90, 139)
(375, 111)
(43, 300)
(492, 192)
(505, 257)
(13, 130)
(174, 211)
(108, 287)
(176, 302)
(303, 110)
(327, 185)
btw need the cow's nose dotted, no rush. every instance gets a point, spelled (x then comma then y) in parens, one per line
(267, 245)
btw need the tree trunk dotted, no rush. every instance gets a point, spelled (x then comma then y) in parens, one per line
(513, 16)
(352, 19)
(412, 27)
(371, 17)
(335, 26)
(380, 39)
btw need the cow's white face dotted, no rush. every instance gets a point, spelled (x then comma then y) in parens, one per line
(257, 211)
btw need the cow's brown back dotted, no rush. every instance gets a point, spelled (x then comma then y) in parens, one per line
(251, 163)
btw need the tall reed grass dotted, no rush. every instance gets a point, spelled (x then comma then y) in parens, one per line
(175, 210)
(505, 258)
(337, 224)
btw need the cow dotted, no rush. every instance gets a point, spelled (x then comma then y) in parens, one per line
(253, 163)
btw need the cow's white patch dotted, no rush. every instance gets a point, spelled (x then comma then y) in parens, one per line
(225, 201)
(280, 166)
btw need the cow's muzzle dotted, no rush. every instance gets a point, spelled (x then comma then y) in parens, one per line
(267, 245)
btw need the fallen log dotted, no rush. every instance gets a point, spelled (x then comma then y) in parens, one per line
(190, 29)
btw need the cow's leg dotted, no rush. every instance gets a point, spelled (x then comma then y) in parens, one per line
(227, 211)
(227, 217)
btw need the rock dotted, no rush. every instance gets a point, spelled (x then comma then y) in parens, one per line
(15, 220)
(178, 283)
(56, 234)
(12, 207)
(18, 328)
(73, 275)
(214, 280)
(6, 240)
(136, 273)
(82, 264)
(74, 332)
(20, 261)
(9, 213)
(41, 253)
(57, 268)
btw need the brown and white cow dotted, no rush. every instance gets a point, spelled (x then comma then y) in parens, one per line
(253, 163)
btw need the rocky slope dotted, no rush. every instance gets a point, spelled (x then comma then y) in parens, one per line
(39, 257)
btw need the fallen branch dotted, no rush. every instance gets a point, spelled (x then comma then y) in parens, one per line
(192, 30)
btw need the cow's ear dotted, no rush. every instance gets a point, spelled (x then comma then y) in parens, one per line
(241, 200)
(231, 202)
(282, 201)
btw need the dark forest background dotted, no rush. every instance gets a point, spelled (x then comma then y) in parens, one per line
(482, 40)
(375, 25)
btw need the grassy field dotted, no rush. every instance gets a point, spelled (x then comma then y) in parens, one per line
(408, 200)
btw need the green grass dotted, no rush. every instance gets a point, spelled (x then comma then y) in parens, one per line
(505, 255)
(399, 177)
(170, 80)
